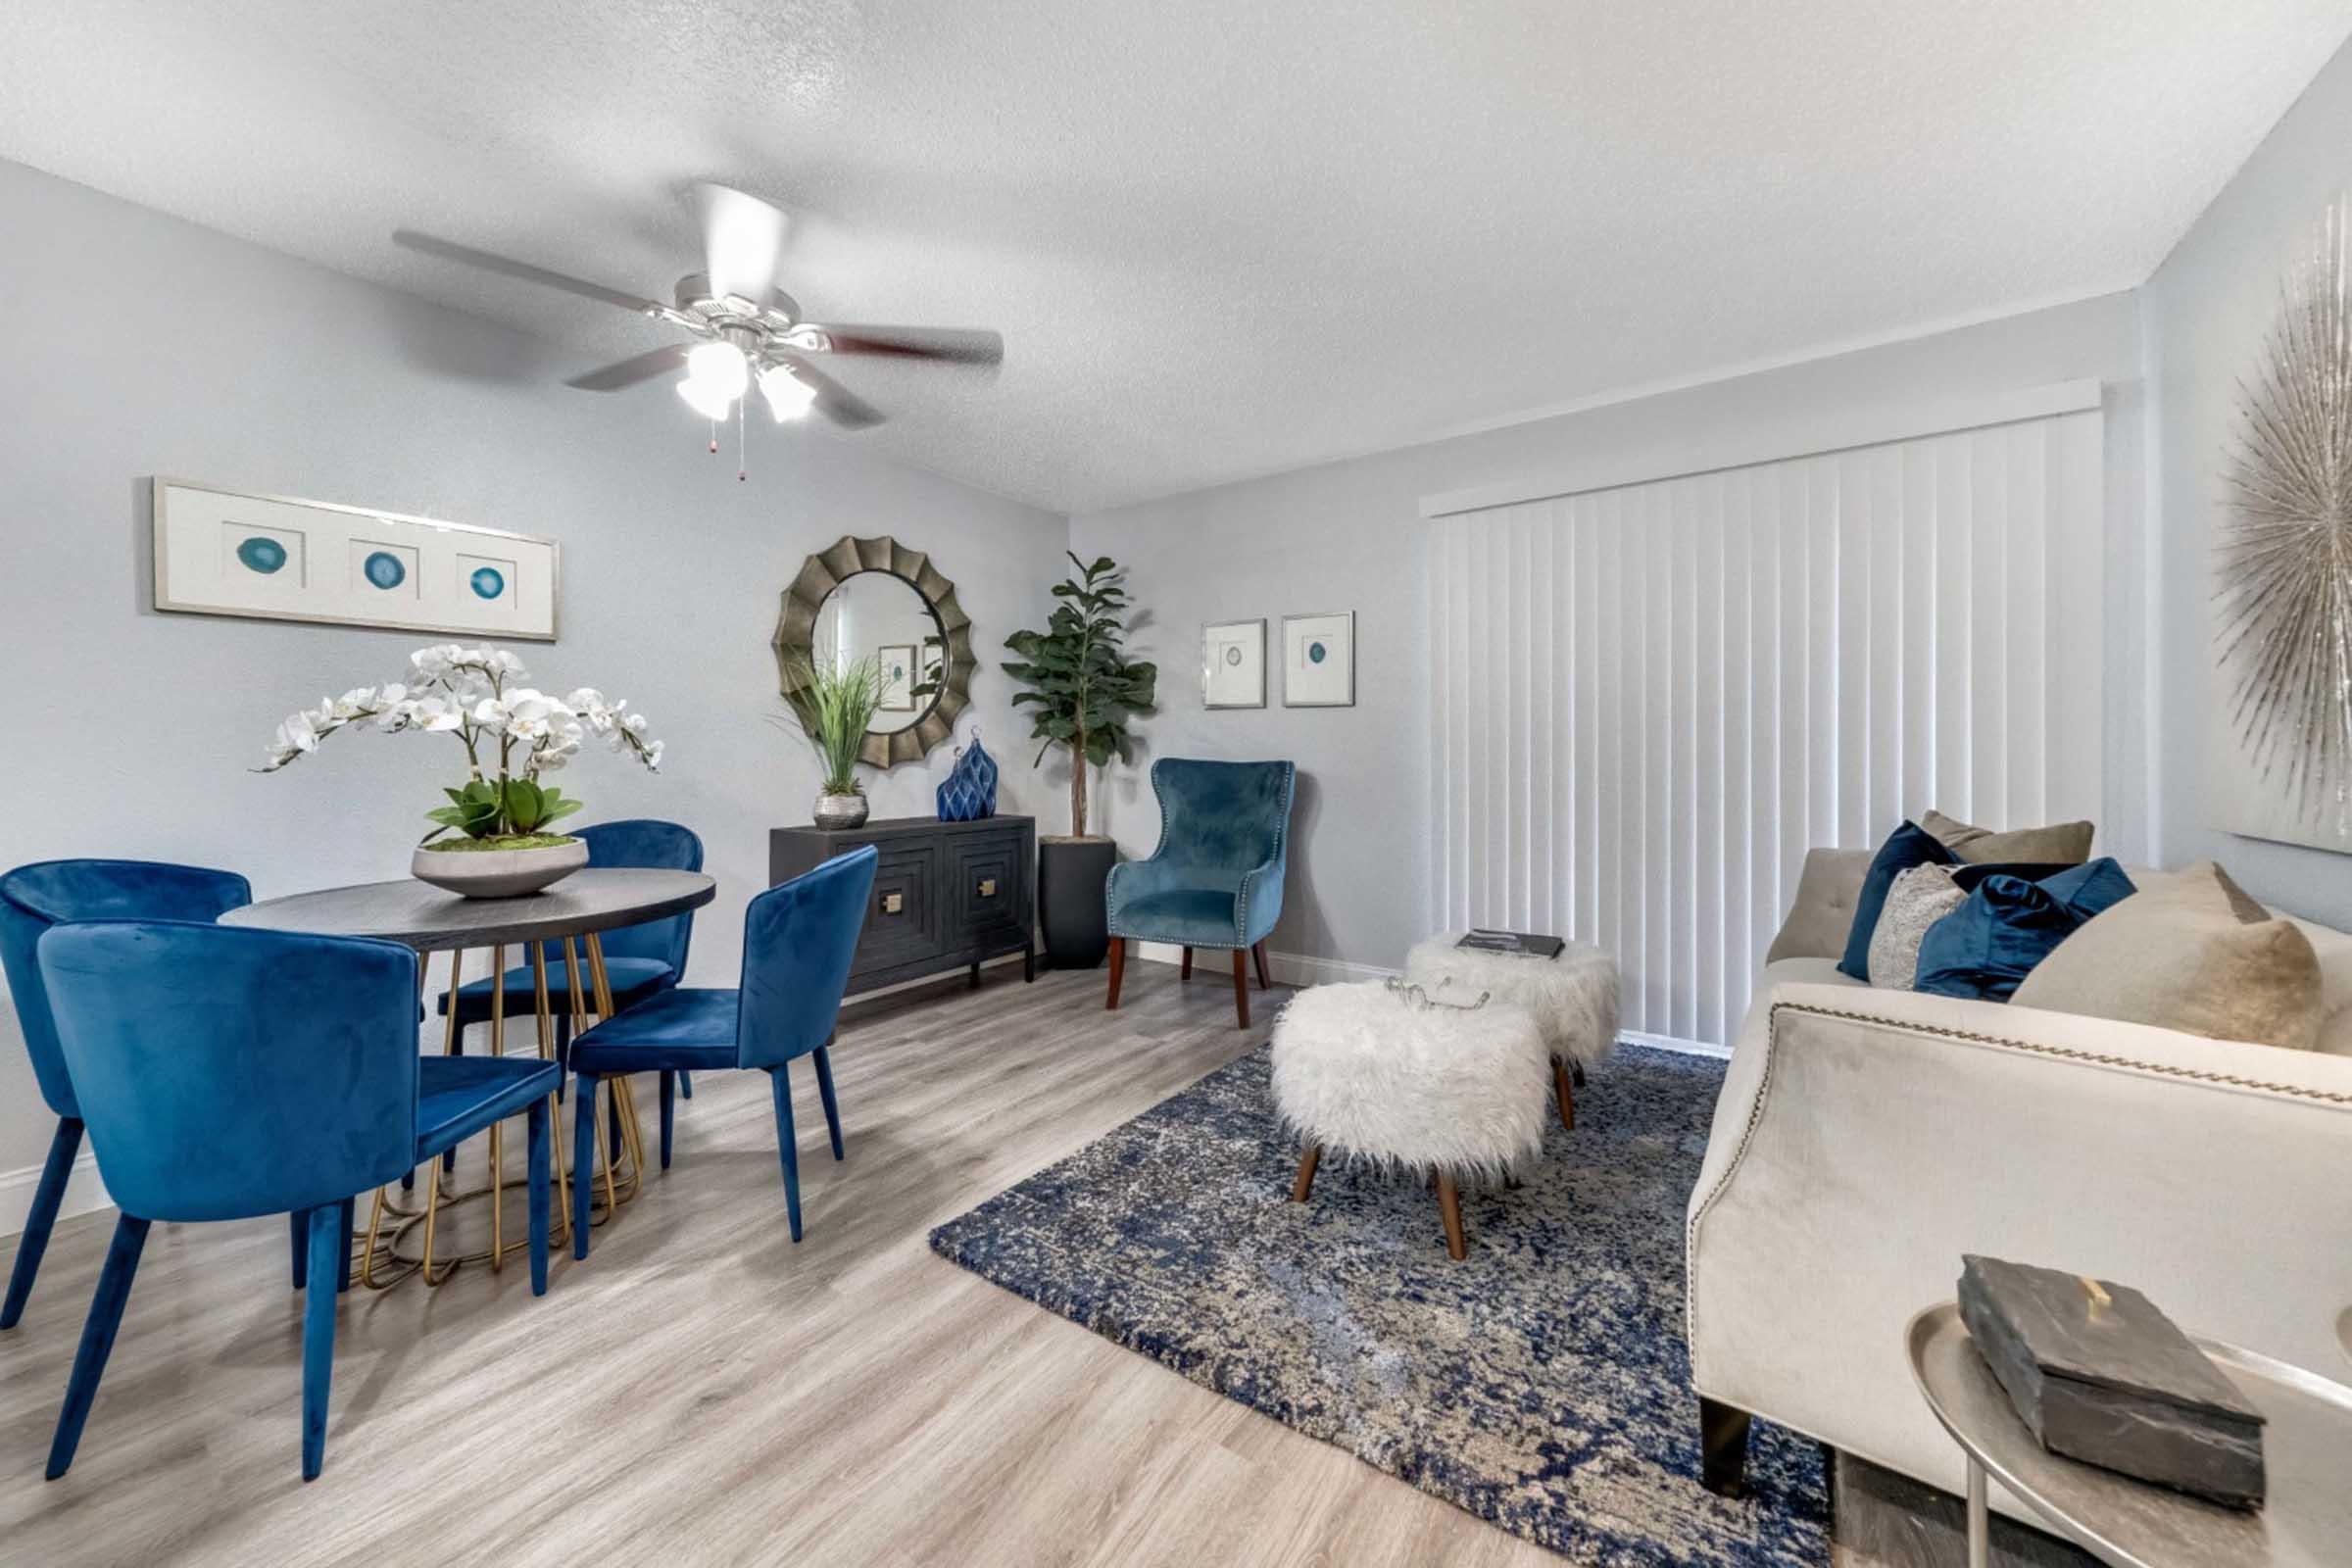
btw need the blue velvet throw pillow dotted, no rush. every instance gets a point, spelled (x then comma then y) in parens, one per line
(1908, 846)
(2009, 924)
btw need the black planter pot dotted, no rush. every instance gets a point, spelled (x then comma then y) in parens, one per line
(1071, 913)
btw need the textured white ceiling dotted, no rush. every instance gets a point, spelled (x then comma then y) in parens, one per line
(1221, 237)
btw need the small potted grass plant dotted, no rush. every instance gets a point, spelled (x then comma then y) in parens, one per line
(836, 703)
(513, 735)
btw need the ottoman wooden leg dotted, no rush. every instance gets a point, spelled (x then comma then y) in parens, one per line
(1307, 1173)
(1563, 1082)
(1449, 1204)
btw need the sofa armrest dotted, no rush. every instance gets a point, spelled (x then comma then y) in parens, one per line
(1864, 1141)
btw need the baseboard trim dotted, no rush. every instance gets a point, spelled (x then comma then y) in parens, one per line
(86, 1193)
(1289, 968)
(1306, 969)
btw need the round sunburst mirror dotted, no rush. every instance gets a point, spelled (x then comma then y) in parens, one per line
(876, 599)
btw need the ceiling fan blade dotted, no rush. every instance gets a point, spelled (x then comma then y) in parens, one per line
(628, 372)
(834, 401)
(743, 239)
(449, 250)
(957, 344)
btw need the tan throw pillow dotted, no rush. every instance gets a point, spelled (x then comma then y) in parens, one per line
(1823, 913)
(2189, 952)
(1917, 899)
(2059, 844)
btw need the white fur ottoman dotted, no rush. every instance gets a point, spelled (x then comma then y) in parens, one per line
(1385, 1076)
(1573, 998)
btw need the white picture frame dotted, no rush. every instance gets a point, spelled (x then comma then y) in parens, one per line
(1318, 660)
(897, 677)
(1233, 663)
(278, 558)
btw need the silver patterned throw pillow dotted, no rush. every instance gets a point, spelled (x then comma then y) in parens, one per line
(1919, 897)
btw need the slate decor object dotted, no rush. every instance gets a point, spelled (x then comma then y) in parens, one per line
(2098, 1374)
(969, 792)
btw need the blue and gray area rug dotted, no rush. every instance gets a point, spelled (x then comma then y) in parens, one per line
(1541, 1385)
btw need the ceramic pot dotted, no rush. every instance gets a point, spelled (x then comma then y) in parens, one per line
(837, 811)
(498, 874)
(1074, 913)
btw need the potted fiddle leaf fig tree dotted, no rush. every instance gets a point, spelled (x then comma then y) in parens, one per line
(1082, 691)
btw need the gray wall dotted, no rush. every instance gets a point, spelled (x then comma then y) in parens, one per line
(139, 345)
(2205, 314)
(1348, 536)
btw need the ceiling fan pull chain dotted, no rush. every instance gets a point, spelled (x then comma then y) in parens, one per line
(714, 438)
(739, 458)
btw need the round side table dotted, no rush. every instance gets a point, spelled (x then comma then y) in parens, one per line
(432, 920)
(2307, 1452)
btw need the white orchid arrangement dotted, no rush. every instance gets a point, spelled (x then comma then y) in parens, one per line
(513, 733)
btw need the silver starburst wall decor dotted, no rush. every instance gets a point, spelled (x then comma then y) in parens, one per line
(2283, 590)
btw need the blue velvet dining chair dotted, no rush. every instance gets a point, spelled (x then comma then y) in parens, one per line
(639, 959)
(32, 899)
(227, 1073)
(798, 941)
(1216, 880)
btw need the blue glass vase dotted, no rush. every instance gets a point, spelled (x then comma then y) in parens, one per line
(969, 792)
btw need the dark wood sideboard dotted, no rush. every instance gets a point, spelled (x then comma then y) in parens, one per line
(947, 895)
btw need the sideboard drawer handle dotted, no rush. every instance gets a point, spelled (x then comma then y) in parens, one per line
(893, 902)
(988, 887)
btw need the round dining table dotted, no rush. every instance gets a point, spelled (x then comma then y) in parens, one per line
(575, 911)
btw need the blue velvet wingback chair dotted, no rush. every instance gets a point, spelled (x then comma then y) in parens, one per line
(32, 899)
(1215, 881)
(799, 938)
(227, 1073)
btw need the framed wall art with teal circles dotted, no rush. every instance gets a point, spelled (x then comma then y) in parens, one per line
(274, 558)
(1318, 660)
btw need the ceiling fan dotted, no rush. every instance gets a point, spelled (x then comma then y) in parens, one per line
(747, 328)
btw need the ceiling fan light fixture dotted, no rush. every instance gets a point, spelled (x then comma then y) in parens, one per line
(716, 376)
(788, 396)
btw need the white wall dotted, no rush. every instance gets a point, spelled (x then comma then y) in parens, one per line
(133, 344)
(2206, 313)
(1348, 536)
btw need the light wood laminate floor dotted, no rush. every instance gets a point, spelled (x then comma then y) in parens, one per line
(701, 1389)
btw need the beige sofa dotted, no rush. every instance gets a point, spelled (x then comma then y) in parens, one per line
(1866, 1138)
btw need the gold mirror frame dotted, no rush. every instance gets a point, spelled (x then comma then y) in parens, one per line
(795, 641)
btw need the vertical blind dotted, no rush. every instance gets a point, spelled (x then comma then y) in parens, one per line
(1648, 702)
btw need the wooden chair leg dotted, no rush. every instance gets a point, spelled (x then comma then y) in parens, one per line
(583, 1159)
(825, 1092)
(1306, 1183)
(1565, 1092)
(98, 1339)
(325, 1224)
(1185, 972)
(787, 1149)
(536, 1133)
(47, 1199)
(1257, 954)
(1722, 1448)
(1118, 972)
(1450, 1207)
(1241, 986)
